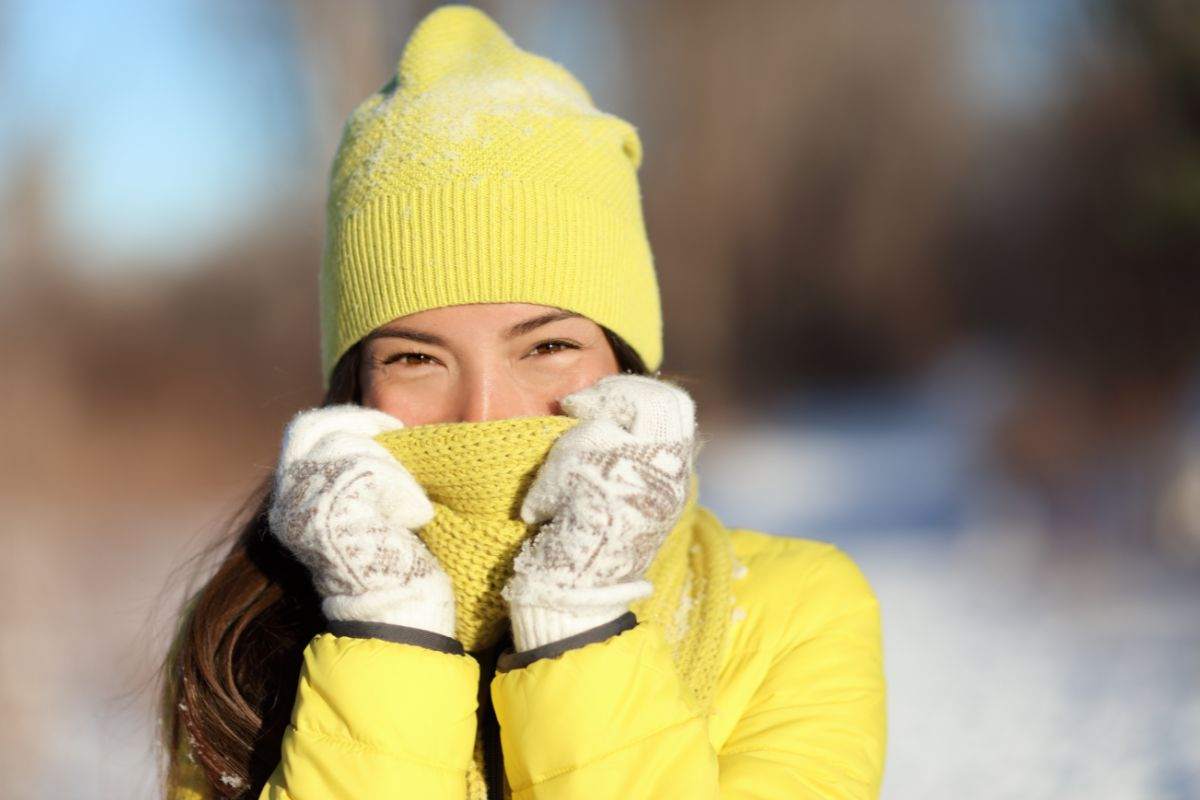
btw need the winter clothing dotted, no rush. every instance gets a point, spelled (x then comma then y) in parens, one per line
(799, 706)
(484, 173)
(474, 472)
(478, 474)
(347, 510)
(610, 491)
(753, 671)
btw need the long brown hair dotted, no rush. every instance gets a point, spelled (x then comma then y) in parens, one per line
(229, 680)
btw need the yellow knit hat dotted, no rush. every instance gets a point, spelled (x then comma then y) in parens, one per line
(483, 173)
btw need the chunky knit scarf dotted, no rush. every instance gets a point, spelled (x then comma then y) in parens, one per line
(476, 474)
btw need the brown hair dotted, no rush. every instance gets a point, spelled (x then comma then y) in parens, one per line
(228, 682)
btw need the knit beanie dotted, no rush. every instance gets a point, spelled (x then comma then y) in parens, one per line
(482, 173)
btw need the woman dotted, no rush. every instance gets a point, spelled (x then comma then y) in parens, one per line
(480, 568)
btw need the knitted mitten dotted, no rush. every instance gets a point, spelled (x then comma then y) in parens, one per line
(347, 509)
(609, 492)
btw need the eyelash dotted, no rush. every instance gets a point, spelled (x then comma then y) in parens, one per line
(565, 345)
(394, 358)
(562, 344)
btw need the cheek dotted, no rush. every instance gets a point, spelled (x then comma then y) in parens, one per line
(583, 374)
(410, 407)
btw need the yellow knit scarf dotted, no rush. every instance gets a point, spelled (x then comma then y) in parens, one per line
(477, 473)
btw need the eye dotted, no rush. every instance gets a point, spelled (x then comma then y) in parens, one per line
(552, 346)
(411, 359)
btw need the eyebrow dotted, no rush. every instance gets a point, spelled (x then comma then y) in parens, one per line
(533, 323)
(520, 329)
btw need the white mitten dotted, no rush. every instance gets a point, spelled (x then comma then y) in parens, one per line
(347, 509)
(610, 491)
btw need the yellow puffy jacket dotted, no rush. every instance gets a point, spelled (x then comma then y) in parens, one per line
(799, 706)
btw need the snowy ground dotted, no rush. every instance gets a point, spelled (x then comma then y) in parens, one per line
(1010, 678)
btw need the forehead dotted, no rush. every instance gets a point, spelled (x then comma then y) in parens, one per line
(491, 316)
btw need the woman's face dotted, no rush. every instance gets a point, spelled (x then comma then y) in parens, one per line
(482, 361)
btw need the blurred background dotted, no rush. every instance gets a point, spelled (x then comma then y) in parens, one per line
(930, 268)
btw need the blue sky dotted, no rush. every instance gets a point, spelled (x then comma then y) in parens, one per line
(1015, 47)
(174, 123)
(180, 122)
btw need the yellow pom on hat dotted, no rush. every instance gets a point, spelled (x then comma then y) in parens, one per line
(482, 173)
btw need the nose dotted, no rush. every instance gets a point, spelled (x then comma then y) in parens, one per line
(489, 394)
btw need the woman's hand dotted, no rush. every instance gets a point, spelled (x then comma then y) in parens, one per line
(347, 509)
(610, 491)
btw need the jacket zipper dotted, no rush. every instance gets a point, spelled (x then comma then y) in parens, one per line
(493, 753)
(493, 756)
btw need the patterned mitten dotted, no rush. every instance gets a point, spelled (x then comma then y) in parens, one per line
(610, 491)
(347, 509)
